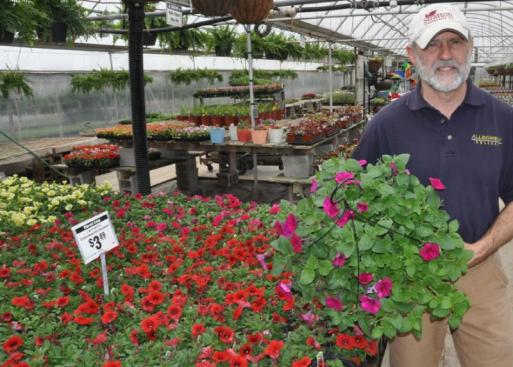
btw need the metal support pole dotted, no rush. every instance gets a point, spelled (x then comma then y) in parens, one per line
(330, 65)
(252, 105)
(136, 69)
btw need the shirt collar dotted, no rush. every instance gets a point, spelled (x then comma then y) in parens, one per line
(474, 97)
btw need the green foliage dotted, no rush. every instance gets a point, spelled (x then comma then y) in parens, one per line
(14, 80)
(341, 98)
(315, 51)
(22, 17)
(394, 217)
(221, 39)
(183, 40)
(98, 80)
(260, 77)
(187, 76)
(343, 57)
(378, 101)
(69, 12)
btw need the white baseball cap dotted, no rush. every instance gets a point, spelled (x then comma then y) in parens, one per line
(433, 19)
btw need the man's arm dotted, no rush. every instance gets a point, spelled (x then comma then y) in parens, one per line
(497, 235)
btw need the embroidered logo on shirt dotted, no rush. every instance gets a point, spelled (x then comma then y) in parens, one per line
(486, 139)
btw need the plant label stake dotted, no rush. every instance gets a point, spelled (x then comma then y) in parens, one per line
(174, 16)
(95, 237)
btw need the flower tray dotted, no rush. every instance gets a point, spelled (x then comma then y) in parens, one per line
(192, 138)
(304, 139)
(331, 130)
(93, 163)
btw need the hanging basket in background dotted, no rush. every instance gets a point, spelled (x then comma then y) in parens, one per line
(212, 8)
(251, 11)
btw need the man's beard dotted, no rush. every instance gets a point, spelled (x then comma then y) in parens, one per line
(443, 83)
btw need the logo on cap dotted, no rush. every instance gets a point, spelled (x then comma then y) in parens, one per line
(433, 16)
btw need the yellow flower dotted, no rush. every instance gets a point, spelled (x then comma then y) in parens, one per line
(52, 218)
(31, 221)
(18, 218)
(68, 207)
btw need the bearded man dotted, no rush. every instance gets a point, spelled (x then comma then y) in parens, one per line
(463, 136)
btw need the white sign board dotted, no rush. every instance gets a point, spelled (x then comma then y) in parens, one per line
(95, 236)
(186, 3)
(174, 16)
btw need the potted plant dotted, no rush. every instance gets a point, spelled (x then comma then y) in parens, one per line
(64, 17)
(217, 134)
(222, 39)
(232, 130)
(374, 63)
(243, 131)
(250, 11)
(20, 17)
(259, 134)
(276, 132)
(93, 156)
(370, 252)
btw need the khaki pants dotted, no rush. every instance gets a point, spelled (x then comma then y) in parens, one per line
(485, 336)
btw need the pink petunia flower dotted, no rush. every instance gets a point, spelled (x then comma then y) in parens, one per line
(384, 287)
(365, 278)
(261, 260)
(394, 169)
(334, 303)
(297, 243)
(370, 305)
(309, 317)
(275, 209)
(429, 251)
(362, 162)
(314, 186)
(289, 226)
(348, 214)
(285, 288)
(330, 208)
(343, 176)
(362, 207)
(436, 183)
(339, 260)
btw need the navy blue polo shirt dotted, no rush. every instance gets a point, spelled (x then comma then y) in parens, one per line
(471, 153)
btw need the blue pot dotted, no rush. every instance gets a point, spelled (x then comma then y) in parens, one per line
(217, 135)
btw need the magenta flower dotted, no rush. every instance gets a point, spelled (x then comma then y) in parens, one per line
(339, 260)
(315, 185)
(365, 278)
(429, 251)
(275, 209)
(285, 288)
(161, 227)
(297, 243)
(278, 227)
(261, 260)
(370, 305)
(334, 303)
(343, 176)
(362, 162)
(290, 225)
(362, 207)
(384, 287)
(394, 169)
(330, 208)
(348, 214)
(436, 183)
(309, 317)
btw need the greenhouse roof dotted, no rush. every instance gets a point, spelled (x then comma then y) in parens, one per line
(378, 26)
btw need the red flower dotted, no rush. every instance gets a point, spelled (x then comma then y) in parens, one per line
(4, 271)
(238, 361)
(62, 301)
(99, 339)
(224, 333)
(345, 341)
(150, 325)
(155, 298)
(197, 330)
(12, 344)
(23, 302)
(273, 349)
(112, 364)
(109, 316)
(303, 362)
(81, 320)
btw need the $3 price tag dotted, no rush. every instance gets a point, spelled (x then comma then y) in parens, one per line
(95, 236)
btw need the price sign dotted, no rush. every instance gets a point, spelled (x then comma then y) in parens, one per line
(95, 236)
(174, 15)
(186, 3)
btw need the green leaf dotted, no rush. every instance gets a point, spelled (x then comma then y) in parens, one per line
(325, 267)
(454, 226)
(410, 269)
(397, 321)
(423, 231)
(282, 245)
(440, 313)
(366, 242)
(307, 276)
(377, 332)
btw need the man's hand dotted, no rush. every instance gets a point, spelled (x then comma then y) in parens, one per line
(481, 250)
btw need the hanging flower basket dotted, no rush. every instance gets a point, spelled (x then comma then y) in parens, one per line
(251, 11)
(374, 65)
(212, 8)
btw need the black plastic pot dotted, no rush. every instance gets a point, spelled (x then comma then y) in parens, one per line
(6, 37)
(59, 31)
(149, 39)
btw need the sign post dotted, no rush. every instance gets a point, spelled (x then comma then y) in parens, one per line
(94, 238)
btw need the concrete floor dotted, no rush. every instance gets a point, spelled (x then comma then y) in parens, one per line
(274, 192)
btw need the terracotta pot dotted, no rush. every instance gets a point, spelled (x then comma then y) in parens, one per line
(250, 11)
(374, 65)
(259, 136)
(244, 135)
(212, 8)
